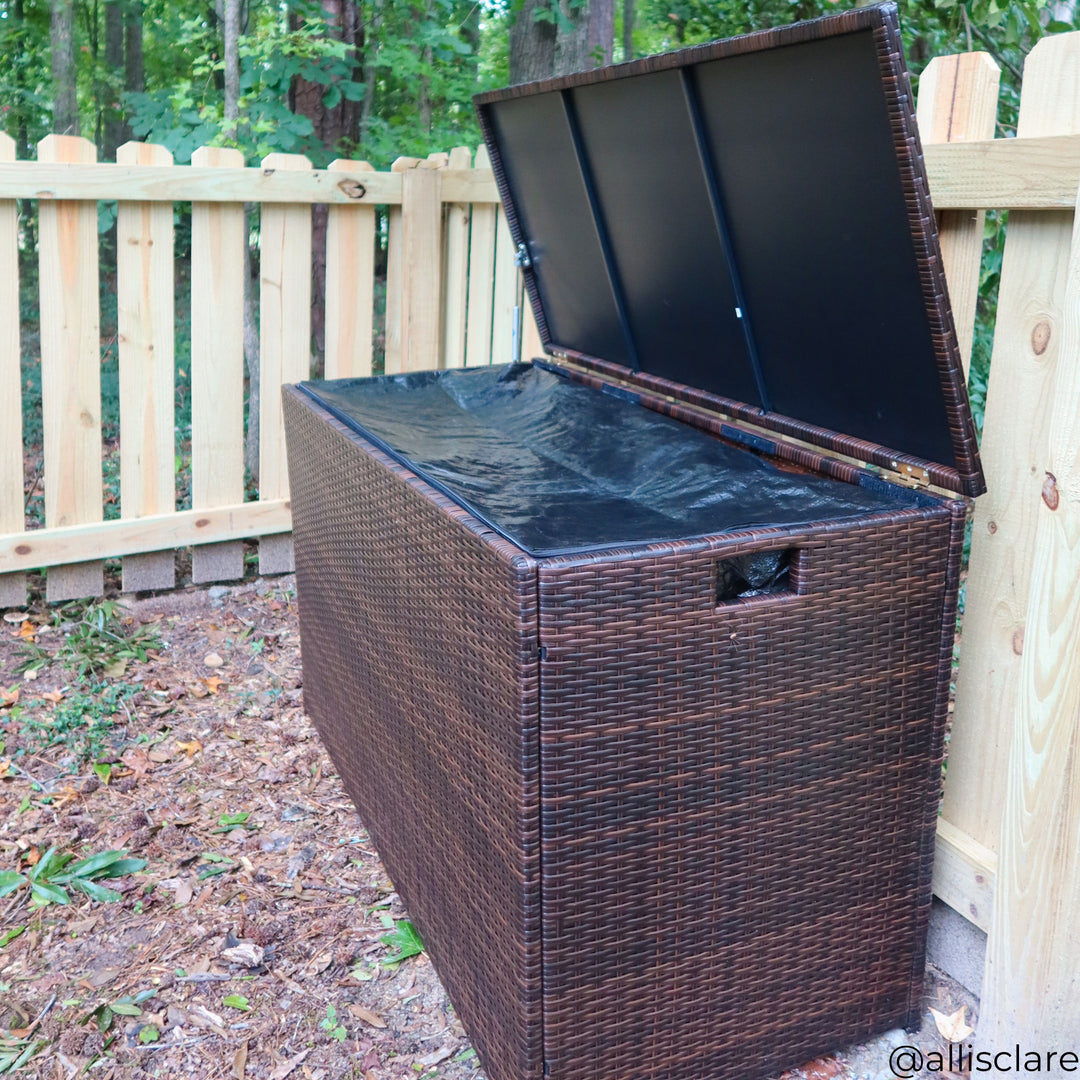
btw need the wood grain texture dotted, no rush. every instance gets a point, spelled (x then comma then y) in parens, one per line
(350, 284)
(144, 301)
(456, 271)
(421, 262)
(506, 302)
(70, 366)
(1031, 992)
(958, 103)
(203, 183)
(284, 342)
(129, 537)
(1014, 454)
(394, 277)
(1026, 173)
(12, 513)
(481, 278)
(531, 344)
(964, 874)
(218, 235)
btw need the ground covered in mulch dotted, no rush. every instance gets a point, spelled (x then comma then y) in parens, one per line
(257, 935)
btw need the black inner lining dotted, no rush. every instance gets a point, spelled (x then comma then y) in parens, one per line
(560, 468)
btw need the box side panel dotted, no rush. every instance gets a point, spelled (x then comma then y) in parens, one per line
(738, 798)
(419, 640)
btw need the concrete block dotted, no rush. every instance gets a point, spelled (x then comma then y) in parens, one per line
(217, 562)
(276, 554)
(152, 570)
(75, 582)
(956, 946)
(13, 589)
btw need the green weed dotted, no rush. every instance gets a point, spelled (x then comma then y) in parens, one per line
(54, 874)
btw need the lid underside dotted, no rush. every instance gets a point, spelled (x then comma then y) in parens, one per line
(748, 219)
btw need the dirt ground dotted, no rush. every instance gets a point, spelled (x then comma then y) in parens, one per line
(252, 943)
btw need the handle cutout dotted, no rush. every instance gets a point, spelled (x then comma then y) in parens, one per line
(758, 573)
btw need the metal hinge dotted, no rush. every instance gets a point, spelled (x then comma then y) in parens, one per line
(908, 475)
(522, 258)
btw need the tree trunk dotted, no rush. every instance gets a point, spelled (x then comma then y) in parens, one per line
(371, 47)
(65, 118)
(231, 33)
(134, 77)
(628, 29)
(532, 45)
(114, 64)
(589, 44)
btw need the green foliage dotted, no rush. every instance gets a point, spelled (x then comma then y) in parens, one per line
(93, 641)
(330, 1023)
(405, 940)
(83, 722)
(51, 879)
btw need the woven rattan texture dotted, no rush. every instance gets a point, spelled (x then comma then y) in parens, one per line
(738, 801)
(419, 632)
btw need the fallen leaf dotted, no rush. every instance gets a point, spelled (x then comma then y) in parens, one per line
(55, 696)
(115, 669)
(203, 1017)
(435, 1057)
(953, 1027)
(212, 660)
(137, 760)
(240, 1062)
(367, 1016)
(245, 952)
(213, 683)
(286, 1067)
(190, 748)
(159, 756)
(27, 631)
(822, 1069)
(9, 697)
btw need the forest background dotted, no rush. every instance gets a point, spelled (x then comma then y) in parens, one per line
(371, 80)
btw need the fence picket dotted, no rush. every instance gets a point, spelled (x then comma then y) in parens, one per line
(1014, 455)
(70, 367)
(12, 511)
(284, 343)
(394, 279)
(144, 305)
(218, 235)
(456, 276)
(958, 98)
(350, 283)
(481, 277)
(421, 254)
(531, 344)
(506, 310)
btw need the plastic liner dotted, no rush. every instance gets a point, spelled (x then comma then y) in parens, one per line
(559, 468)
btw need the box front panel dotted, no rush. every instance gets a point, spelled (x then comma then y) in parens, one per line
(420, 672)
(739, 797)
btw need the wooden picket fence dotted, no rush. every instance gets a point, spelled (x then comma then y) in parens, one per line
(1008, 855)
(453, 297)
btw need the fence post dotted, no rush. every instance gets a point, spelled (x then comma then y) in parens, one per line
(12, 506)
(1014, 449)
(958, 98)
(350, 283)
(1030, 989)
(456, 277)
(481, 276)
(284, 342)
(218, 236)
(144, 309)
(506, 299)
(70, 366)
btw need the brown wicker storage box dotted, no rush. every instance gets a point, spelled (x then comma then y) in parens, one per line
(658, 814)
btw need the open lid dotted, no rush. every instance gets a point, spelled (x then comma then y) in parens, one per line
(747, 224)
